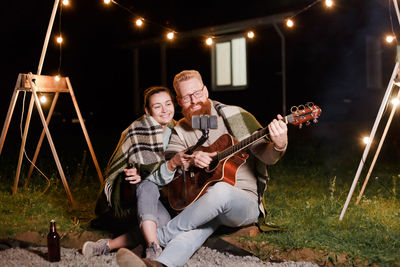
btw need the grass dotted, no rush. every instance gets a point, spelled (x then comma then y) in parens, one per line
(307, 199)
(31, 209)
(45, 198)
(306, 194)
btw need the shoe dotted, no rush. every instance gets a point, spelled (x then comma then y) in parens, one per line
(126, 258)
(153, 251)
(100, 247)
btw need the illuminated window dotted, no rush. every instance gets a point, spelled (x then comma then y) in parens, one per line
(229, 64)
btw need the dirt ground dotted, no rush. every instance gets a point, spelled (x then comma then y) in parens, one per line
(76, 240)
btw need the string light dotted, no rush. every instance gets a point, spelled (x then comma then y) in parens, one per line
(250, 34)
(171, 35)
(366, 140)
(329, 3)
(139, 22)
(57, 78)
(395, 102)
(389, 38)
(43, 99)
(59, 39)
(289, 23)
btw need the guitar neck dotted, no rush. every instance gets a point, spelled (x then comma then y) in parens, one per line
(248, 141)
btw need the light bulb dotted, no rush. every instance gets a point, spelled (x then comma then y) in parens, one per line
(170, 35)
(366, 140)
(250, 34)
(139, 22)
(43, 99)
(328, 3)
(389, 38)
(289, 23)
(209, 41)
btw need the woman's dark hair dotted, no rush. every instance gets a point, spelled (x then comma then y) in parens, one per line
(152, 91)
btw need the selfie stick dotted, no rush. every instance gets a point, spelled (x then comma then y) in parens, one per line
(203, 122)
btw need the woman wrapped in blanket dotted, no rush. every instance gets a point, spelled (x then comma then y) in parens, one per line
(141, 144)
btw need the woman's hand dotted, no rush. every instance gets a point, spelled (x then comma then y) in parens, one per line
(179, 159)
(132, 175)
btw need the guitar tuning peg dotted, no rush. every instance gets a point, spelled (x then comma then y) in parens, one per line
(315, 120)
(293, 109)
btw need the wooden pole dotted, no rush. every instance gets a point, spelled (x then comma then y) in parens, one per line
(47, 38)
(9, 113)
(378, 150)
(78, 113)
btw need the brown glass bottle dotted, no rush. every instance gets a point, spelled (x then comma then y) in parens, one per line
(128, 192)
(53, 243)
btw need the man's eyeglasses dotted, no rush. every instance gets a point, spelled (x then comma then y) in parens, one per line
(196, 94)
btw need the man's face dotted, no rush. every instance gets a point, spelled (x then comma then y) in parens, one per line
(193, 98)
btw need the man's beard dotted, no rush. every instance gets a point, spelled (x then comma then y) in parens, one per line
(204, 110)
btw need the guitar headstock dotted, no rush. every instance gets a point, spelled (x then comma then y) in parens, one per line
(304, 114)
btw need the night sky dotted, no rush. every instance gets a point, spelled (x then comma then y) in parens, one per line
(325, 57)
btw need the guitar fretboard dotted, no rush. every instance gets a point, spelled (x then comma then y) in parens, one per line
(247, 141)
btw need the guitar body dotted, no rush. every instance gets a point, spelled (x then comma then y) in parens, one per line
(182, 191)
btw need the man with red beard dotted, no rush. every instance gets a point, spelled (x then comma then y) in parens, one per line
(223, 203)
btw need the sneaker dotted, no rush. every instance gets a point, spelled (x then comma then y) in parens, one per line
(126, 258)
(100, 247)
(153, 251)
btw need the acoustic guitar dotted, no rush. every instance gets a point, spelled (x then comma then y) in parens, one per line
(185, 189)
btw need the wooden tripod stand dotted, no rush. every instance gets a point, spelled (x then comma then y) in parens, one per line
(384, 103)
(42, 83)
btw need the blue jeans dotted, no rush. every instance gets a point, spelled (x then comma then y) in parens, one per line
(222, 204)
(149, 206)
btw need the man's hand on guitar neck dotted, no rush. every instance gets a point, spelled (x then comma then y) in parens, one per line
(278, 133)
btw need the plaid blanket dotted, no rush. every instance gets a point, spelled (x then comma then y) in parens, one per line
(140, 144)
(246, 124)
